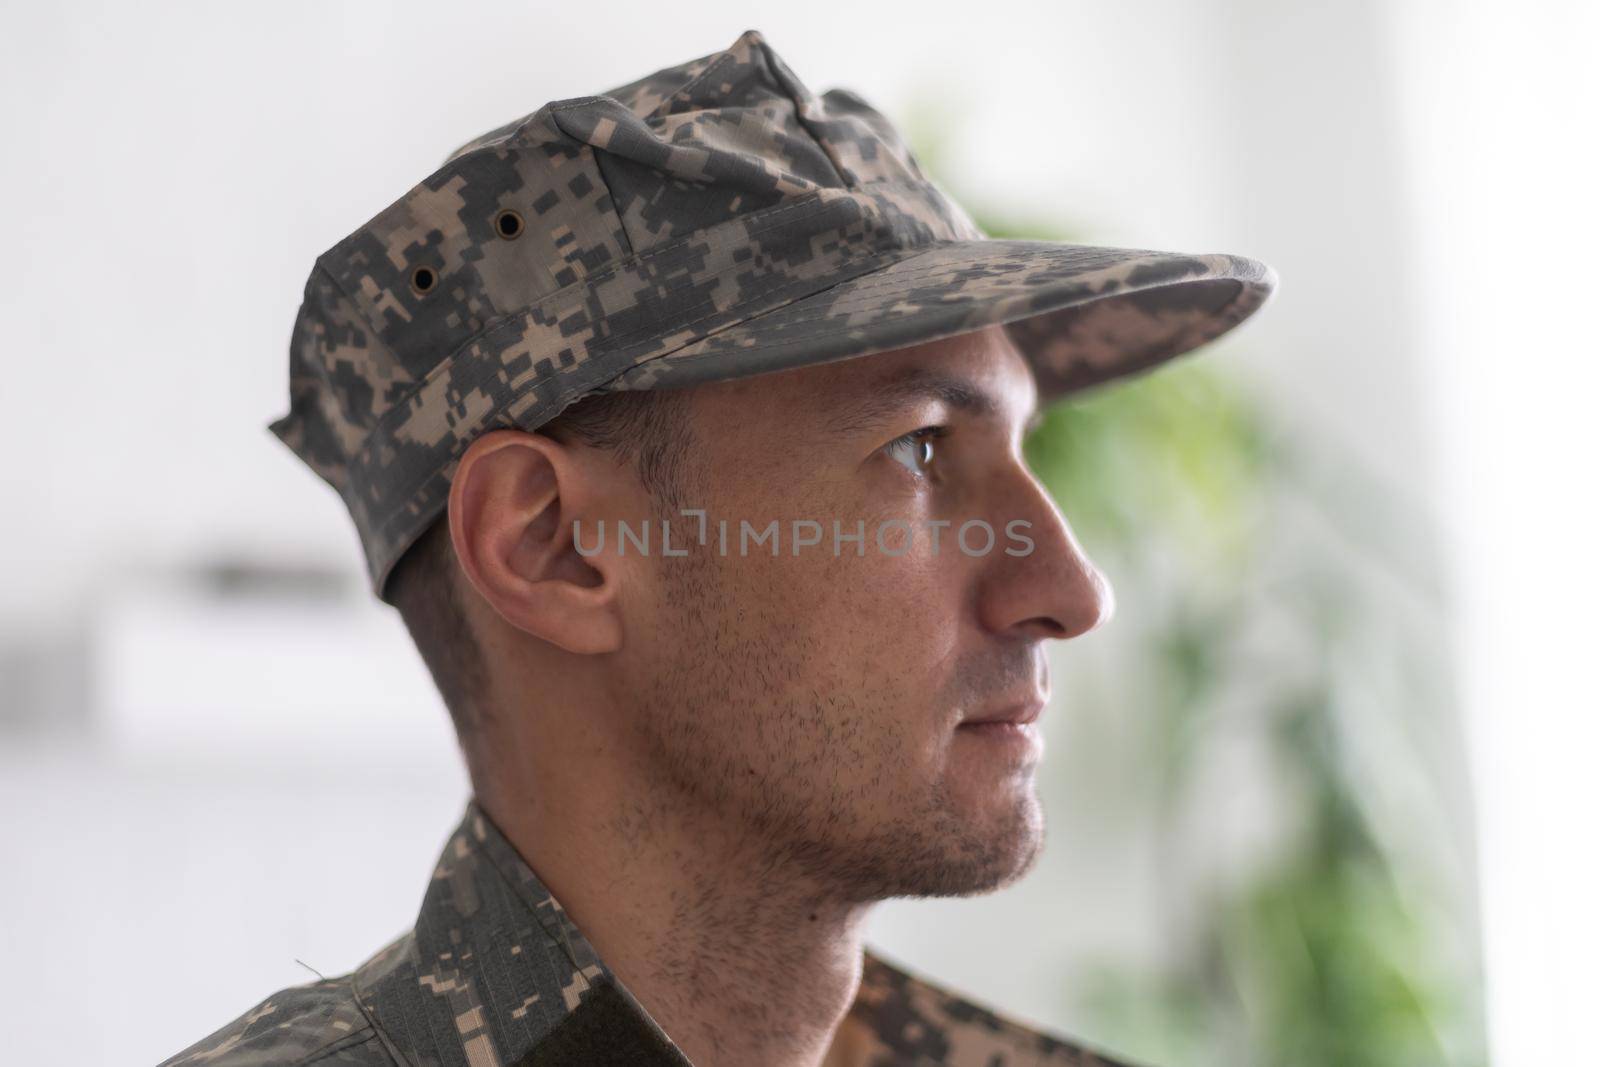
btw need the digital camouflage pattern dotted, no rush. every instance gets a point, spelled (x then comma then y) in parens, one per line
(494, 974)
(713, 220)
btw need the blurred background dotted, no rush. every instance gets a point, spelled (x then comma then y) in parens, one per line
(1321, 794)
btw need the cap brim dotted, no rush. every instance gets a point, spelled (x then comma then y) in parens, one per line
(1080, 314)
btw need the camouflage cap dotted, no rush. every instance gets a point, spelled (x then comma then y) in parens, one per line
(713, 220)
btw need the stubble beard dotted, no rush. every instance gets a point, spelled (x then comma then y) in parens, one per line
(812, 787)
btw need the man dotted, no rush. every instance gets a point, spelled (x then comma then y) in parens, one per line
(740, 634)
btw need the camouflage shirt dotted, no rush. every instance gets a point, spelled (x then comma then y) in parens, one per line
(494, 974)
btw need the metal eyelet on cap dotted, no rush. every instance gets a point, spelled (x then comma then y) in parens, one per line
(423, 279)
(508, 224)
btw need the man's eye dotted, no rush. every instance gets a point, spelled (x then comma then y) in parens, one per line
(915, 450)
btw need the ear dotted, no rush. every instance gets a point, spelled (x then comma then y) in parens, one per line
(513, 500)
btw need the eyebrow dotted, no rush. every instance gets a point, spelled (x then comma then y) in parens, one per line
(882, 400)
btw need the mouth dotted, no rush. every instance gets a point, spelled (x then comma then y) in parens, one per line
(1012, 729)
(1018, 714)
(1011, 732)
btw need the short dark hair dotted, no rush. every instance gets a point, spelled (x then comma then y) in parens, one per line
(649, 428)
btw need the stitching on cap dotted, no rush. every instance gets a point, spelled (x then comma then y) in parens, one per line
(1223, 316)
(600, 176)
(827, 150)
(716, 65)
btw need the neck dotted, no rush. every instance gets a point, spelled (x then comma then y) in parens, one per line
(737, 954)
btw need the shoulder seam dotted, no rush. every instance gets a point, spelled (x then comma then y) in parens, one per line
(384, 1039)
(343, 1041)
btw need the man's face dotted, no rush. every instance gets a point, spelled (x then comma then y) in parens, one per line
(812, 701)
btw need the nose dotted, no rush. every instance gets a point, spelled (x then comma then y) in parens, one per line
(1040, 583)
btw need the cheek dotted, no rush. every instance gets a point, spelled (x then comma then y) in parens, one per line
(876, 624)
(889, 625)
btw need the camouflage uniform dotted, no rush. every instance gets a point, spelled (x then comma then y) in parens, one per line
(494, 974)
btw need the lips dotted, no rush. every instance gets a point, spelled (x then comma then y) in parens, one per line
(1018, 714)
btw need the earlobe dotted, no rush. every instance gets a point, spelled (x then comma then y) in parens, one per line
(513, 501)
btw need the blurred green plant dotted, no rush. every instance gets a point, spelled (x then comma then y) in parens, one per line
(1327, 953)
(1328, 948)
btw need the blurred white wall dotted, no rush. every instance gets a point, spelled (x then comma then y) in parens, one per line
(1500, 102)
(174, 170)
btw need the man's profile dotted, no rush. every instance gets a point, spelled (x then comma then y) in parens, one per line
(683, 426)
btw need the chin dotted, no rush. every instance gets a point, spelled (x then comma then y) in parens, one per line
(1019, 847)
(972, 855)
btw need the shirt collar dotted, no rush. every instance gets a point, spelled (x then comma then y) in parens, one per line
(494, 974)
